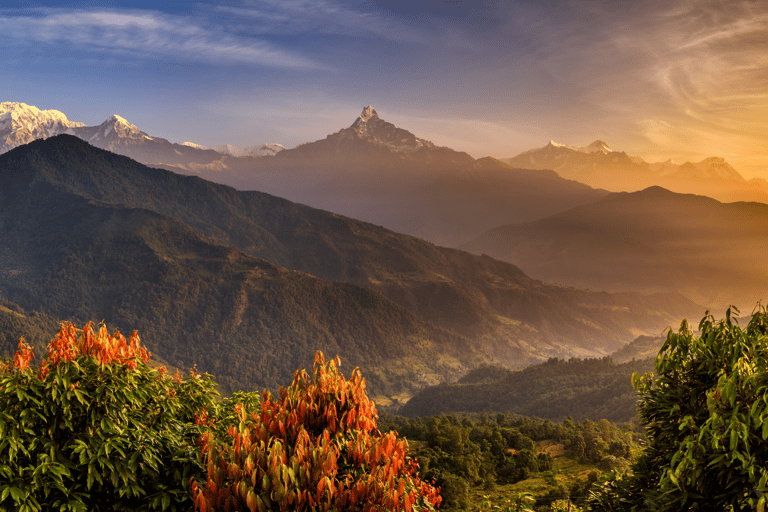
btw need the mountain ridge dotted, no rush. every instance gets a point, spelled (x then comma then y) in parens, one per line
(650, 240)
(461, 299)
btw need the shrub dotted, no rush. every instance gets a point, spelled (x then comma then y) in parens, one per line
(94, 428)
(316, 447)
(706, 414)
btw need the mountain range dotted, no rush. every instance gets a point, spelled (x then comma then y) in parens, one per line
(598, 165)
(21, 124)
(377, 172)
(248, 285)
(372, 170)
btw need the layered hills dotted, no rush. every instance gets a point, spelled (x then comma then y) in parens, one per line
(248, 285)
(380, 173)
(652, 240)
(598, 165)
(371, 170)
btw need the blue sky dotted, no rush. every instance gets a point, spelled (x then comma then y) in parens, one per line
(659, 79)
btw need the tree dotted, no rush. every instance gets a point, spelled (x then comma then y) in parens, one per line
(316, 447)
(706, 414)
(95, 428)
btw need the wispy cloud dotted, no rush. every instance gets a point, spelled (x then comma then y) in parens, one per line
(666, 66)
(331, 17)
(144, 35)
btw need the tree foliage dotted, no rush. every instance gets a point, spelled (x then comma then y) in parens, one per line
(95, 428)
(706, 413)
(316, 447)
(481, 451)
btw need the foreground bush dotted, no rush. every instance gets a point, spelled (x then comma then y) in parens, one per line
(317, 447)
(94, 428)
(706, 413)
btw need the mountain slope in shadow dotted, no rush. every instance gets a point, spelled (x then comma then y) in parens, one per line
(653, 240)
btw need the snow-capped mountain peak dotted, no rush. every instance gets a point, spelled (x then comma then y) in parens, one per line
(269, 149)
(116, 119)
(21, 124)
(117, 127)
(596, 147)
(370, 127)
(368, 113)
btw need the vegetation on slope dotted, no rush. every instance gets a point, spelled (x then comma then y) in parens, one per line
(482, 452)
(37, 329)
(554, 390)
(248, 321)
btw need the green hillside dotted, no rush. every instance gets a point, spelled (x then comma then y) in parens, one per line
(554, 390)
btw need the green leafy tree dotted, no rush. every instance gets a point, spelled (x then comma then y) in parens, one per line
(706, 413)
(95, 428)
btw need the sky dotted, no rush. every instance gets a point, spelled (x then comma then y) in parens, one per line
(658, 79)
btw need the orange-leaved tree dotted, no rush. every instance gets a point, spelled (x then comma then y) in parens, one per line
(94, 428)
(315, 448)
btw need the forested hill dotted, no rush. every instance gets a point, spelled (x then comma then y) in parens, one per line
(88, 234)
(554, 390)
(249, 322)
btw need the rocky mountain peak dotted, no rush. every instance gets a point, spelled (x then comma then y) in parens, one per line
(117, 127)
(370, 127)
(368, 113)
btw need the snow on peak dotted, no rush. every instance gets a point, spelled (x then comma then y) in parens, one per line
(116, 119)
(368, 114)
(596, 147)
(269, 149)
(21, 124)
(17, 115)
(117, 127)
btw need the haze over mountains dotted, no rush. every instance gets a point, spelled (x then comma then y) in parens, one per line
(197, 234)
(247, 285)
(377, 172)
(598, 165)
(651, 240)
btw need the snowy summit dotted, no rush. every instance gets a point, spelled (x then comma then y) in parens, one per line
(21, 124)
(596, 147)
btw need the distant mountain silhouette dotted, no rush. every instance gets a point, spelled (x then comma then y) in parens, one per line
(553, 390)
(599, 166)
(652, 240)
(203, 271)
